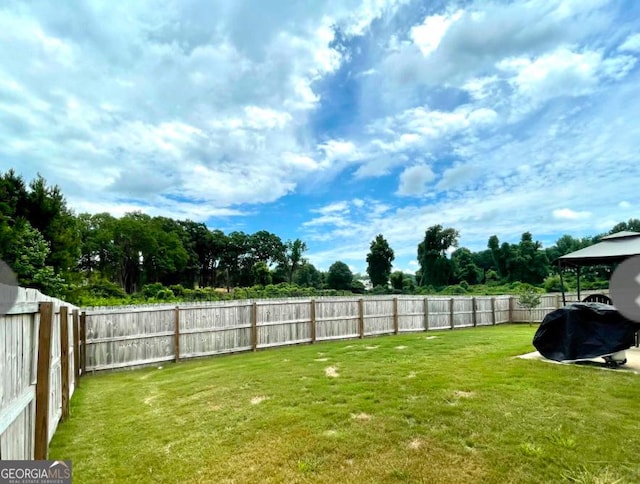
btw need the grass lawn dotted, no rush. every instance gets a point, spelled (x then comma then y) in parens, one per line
(449, 406)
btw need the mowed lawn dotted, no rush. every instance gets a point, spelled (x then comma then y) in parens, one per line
(448, 406)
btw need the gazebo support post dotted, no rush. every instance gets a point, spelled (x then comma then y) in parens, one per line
(564, 297)
(579, 298)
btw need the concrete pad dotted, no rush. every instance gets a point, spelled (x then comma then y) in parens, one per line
(632, 365)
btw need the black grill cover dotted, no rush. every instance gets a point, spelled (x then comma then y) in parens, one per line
(582, 331)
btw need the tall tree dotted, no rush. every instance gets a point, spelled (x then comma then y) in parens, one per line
(266, 247)
(27, 255)
(46, 210)
(339, 276)
(435, 268)
(308, 276)
(499, 255)
(464, 268)
(293, 257)
(527, 262)
(379, 261)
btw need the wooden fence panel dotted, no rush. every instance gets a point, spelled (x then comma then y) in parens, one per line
(502, 309)
(411, 314)
(439, 313)
(484, 311)
(378, 316)
(19, 330)
(214, 330)
(117, 340)
(281, 324)
(462, 312)
(336, 319)
(548, 303)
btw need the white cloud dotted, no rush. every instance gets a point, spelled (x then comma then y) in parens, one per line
(624, 204)
(631, 44)
(413, 180)
(568, 214)
(428, 35)
(562, 72)
(459, 176)
(332, 208)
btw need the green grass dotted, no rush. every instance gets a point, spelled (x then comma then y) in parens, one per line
(426, 407)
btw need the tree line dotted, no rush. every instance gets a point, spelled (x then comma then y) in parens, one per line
(443, 264)
(68, 255)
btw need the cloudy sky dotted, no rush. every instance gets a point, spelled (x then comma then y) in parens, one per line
(331, 121)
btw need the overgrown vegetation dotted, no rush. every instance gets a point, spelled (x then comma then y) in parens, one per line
(428, 407)
(101, 259)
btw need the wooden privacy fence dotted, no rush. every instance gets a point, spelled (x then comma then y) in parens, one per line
(120, 338)
(39, 371)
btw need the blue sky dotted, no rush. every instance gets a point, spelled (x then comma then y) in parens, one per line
(331, 121)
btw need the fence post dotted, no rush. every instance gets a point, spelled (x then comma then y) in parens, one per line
(451, 321)
(41, 443)
(395, 316)
(361, 318)
(83, 337)
(474, 316)
(426, 314)
(176, 344)
(76, 348)
(558, 299)
(493, 311)
(64, 360)
(511, 309)
(254, 326)
(313, 320)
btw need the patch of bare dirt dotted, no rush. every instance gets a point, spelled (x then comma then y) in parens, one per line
(258, 399)
(331, 372)
(363, 417)
(415, 444)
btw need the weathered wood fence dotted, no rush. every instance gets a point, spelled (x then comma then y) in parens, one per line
(125, 337)
(39, 371)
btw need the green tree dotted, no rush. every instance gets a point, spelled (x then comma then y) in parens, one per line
(293, 257)
(529, 299)
(266, 247)
(308, 276)
(46, 210)
(435, 268)
(27, 257)
(465, 268)
(632, 225)
(261, 273)
(527, 262)
(379, 261)
(499, 255)
(339, 276)
(397, 280)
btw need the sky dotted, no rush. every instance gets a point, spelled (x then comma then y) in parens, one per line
(331, 121)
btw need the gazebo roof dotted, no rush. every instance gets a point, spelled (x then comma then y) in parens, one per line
(612, 249)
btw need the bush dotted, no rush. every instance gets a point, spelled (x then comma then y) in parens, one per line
(454, 290)
(177, 290)
(164, 294)
(150, 290)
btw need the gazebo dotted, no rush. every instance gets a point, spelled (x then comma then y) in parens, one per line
(612, 249)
